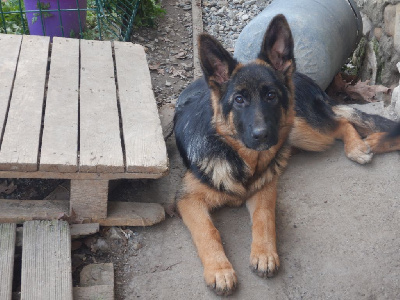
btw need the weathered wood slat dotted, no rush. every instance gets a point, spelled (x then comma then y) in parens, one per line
(78, 230)
(119, 213)
(89, 198)
(82, 175)
(19, 211)
(7, 248)
(144, 143)
(100, 144)
(59, 150)
(132, 214)
(9, 45)
(19, 150)
(46, 261)
(96, 292)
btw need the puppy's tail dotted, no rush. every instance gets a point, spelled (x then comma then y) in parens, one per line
(364, 123)
(394, 133)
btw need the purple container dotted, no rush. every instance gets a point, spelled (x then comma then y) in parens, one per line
(53, 19)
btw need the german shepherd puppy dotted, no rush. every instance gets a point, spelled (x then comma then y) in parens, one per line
(235, 128)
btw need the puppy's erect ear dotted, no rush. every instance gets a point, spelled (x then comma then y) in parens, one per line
(277, 46)
(216, 62)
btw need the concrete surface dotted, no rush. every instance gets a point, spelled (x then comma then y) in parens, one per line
(338, 228)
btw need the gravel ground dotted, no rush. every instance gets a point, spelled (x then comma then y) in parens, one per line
(226, 19)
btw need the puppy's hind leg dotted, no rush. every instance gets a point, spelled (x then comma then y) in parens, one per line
(306, 137)
(354, 146)
(194, 209)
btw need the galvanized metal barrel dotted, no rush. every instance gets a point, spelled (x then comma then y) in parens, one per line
(325, 34)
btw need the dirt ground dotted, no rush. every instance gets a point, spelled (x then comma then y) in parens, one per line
(337, 222)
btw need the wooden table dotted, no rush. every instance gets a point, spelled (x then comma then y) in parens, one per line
(79, 110)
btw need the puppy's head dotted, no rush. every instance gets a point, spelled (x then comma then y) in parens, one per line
(252, 102)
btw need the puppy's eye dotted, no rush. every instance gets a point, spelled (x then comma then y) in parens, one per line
(239, 99)
(271, 95)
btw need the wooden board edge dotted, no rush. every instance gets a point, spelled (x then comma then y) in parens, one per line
(119, 213)
(103, 292)
(79, 230)
(20, 211)
(58, 168)
(133, 214)
(80, 175)
(8, 242)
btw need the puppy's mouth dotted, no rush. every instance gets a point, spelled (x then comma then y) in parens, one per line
(258, 146)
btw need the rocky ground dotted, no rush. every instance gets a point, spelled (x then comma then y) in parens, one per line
(226, 19)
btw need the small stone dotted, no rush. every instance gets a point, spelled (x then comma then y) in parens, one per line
(97, 274)
(221, 11)
(167, 83)
(100, 245)
(114, 233)
(367, 24)
(222, 3)
(248, 3)
(378, 33)
(396, 33)
(245, 17)
(389, 16)
(136, 245)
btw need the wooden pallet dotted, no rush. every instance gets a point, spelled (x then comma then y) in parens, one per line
(46, 271)
(79, 110)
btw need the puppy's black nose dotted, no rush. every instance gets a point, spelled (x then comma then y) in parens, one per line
(259, 133)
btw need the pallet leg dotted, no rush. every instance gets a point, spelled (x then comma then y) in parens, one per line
(88, 199)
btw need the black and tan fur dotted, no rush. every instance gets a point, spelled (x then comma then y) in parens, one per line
(235, 128)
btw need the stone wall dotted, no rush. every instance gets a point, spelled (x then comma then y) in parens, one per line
(381, 22)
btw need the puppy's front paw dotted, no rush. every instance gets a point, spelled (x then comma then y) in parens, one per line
(265, 264)
(222, 280)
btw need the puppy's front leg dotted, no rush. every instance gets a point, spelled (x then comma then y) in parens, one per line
(218, 271)
(264, 258)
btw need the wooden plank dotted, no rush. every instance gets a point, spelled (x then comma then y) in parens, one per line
(89, 199)
(97, 292)
(19, 150)
(100, 144)
(197, 21)
(119, 213)
(19, 211)
(55, 175)
(59, 152)
(9, 45)
(78, 230)
(46, 261)
(7, 248)
(132, 214)
(144, 143)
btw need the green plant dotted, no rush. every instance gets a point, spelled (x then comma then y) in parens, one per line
(148, 12)
(43, 7)
(11, 20)
(92, 31)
